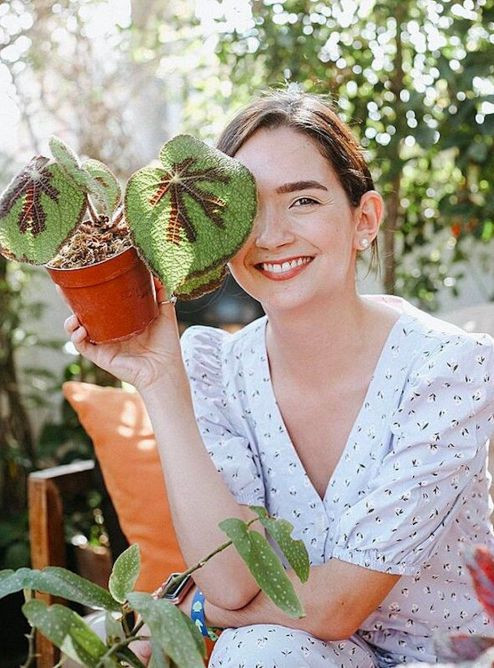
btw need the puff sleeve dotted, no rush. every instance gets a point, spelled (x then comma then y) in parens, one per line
(438, 444)
(230, 451)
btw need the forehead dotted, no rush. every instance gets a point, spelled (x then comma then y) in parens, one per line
(280, 155)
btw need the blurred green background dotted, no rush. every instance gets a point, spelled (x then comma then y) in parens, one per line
(116, 78)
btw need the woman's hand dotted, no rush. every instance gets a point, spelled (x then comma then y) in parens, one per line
(144, 358)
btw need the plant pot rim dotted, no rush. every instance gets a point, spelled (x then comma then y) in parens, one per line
(93, 264)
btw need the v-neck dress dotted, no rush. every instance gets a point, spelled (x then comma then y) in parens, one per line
(409, 492)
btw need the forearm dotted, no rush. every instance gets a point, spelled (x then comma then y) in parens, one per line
(198, 497)
(337, 598)
(261, 610)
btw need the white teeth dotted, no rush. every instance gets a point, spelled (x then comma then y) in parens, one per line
(284, 266)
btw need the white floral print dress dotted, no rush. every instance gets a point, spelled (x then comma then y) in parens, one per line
(408, 493)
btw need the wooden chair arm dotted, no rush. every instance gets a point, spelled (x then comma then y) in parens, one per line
(46, 490)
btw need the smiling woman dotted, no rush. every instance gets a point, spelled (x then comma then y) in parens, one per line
(361, 419)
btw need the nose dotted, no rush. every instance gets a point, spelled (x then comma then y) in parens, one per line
(271, 230)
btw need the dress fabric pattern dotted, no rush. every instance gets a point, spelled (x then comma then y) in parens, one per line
(410, 490)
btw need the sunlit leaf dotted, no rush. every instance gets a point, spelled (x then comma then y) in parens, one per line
(190, 214)
(125, 573)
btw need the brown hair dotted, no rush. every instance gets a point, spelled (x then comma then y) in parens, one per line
(312, 116)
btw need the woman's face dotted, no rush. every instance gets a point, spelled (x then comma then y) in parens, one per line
(303, 243)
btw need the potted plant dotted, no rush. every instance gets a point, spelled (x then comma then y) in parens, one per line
(173, 635)
(180, 219)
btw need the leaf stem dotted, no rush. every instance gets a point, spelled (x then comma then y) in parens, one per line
(92, 211)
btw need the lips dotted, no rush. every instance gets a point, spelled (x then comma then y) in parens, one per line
(285, 268)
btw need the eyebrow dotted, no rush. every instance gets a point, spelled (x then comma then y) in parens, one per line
(299, 185)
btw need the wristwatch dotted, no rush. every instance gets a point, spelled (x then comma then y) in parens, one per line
(174, 590)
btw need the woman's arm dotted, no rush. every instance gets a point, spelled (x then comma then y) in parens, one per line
(197, 494)
(337, 598)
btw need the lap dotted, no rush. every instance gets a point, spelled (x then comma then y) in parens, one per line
(272, 646)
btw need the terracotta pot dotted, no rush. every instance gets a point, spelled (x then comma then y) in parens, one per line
(113, 299)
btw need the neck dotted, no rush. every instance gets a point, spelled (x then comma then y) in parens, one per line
(306, 344)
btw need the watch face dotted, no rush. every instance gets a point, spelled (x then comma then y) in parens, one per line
(175, 592)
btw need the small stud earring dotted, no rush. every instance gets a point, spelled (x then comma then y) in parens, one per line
(364, 244)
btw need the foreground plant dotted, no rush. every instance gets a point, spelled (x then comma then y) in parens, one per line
(173, 635)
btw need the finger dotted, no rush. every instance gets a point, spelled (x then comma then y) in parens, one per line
(79, 334)
(71, 324)
(142, 649)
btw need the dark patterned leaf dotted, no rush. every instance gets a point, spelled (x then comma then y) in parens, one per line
(190, 215)
(39, 211)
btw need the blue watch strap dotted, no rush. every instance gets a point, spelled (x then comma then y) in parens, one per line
(198, 616)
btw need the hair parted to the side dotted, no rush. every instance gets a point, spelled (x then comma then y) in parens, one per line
(313, 116)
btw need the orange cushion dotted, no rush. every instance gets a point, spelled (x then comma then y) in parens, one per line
(118, 425)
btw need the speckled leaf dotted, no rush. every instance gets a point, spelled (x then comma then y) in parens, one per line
(238, 532)
(39, 211)
(113, 627)
(103, 186)
(158, 657)
(125, 573)
(190, 214)
(12, 581)
(69, 163)
(59, 582)
(169, 628)
(480, 563)
(294, 550)
(67, 631)
(264, 565)
(461, 647)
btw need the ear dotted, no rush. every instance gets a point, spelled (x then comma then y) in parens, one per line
(368, 216)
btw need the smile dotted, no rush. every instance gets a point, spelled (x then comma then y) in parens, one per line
(284, 269)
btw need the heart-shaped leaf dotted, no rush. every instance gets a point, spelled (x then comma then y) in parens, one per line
(191, 214)
(125, 573)
(170, 629)
(294, 550)
(103, 186)
(39, 211)
(57, 582)
(67, 631)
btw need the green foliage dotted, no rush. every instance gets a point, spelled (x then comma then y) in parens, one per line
(190, 215)
(173, 635)
(57, 582)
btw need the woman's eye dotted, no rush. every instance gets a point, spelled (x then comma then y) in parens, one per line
(305, 201)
